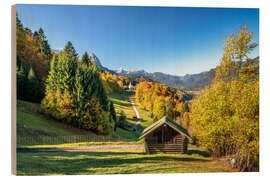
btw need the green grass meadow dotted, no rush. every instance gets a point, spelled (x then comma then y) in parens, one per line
(121, 103)
(116, 162)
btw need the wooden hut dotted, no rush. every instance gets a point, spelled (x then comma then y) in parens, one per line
(165, 136)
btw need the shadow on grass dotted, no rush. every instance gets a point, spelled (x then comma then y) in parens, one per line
(132, 119)
(202, 153)
(140, 127)
(90, 162)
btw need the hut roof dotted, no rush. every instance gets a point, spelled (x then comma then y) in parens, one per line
(169, 122)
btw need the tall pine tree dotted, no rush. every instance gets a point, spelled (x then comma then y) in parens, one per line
(66, 67)
(86, 60)
(69, 48)
(43, 44)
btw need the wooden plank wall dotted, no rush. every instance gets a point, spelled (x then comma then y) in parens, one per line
(179, 147)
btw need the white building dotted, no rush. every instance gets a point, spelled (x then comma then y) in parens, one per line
(130, 86)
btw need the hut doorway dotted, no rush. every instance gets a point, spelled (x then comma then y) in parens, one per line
(164, 135)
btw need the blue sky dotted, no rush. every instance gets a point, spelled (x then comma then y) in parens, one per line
(172, 40)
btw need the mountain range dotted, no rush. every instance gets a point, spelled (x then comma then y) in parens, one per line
(186, 82)
(190, 82)
(193, 82)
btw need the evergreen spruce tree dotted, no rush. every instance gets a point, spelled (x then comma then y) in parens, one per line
(89, 85)
(18, 22)
(89, 99)
(52, 80)
(86, 60)
(66, 69)
(112, 110)
(34, 91)
(69, 48)
(113, 114)
(59, 101)
(43, 44)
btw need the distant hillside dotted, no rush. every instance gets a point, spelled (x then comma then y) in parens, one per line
(138, 79)
(194, 81)
(187, 82)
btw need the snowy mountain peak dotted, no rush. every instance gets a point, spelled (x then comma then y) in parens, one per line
(121, 71)
(130, 72)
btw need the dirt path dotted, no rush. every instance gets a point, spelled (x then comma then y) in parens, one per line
(137, 115)
(135, 109)
(94, 148)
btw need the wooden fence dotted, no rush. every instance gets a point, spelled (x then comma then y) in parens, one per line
(50, 140)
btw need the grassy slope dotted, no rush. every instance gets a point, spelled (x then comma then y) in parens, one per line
(145, 116)
(121, 103)
(34, 128)
(30, 122)
(116, 162)
(146, 119)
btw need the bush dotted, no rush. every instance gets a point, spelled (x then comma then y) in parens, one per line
(225, 119)
(122, 120)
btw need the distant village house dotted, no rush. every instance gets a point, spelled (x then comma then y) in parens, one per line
(131, 87)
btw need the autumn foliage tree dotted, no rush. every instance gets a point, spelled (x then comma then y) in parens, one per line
(159, 99)
(225, 117)
(186, 120)
(113, 83)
